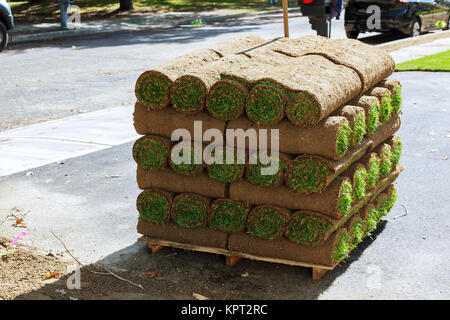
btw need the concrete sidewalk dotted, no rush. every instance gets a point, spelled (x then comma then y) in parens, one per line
(51, 31)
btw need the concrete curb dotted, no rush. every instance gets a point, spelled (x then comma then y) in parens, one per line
(64, 34)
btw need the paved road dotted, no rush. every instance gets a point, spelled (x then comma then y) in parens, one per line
(89, 202)
(50, 80)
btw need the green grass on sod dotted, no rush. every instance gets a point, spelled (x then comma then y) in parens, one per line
(435, 62)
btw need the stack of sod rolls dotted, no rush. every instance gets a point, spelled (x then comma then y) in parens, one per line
(336, 114)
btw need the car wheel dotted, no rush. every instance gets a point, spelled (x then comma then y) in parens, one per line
(352, 34)
(3, 36)
(415, 28)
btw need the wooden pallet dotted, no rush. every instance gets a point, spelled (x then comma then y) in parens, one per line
(232, 257)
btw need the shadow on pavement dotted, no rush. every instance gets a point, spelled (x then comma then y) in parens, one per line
(187, 272)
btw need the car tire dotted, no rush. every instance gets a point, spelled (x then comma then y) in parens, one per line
(3, 36)
(352, 34)
(415, 28)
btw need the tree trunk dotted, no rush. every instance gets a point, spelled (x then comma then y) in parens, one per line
(126, 5)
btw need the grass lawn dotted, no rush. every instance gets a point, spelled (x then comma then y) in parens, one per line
(49, 8)
(435, 62)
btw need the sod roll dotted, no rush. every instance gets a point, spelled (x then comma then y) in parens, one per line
(312, 174)
(190, 210)
(308, 84)
(358, 176)
(309, 229)
(267, 222)
(396, 147)
(256, 176)
(371, 218)
(371, 162)
(189, 159)
(154, 205)
(153, 86)
(356, 117)
(355, 227)
(334, 201)
(385, 99)
(330, 138)
(165, 122)
(385, 131)
(225, 171)
(384, 151)
(371, 106)
(226, 99)
(167, 179)
(327, 254)
(201, 236)
(151, 151)
(395, 88)
(228, 215)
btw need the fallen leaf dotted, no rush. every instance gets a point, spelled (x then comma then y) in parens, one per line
(51, 275)
(198, 296)
(446, 158)
(154, 274)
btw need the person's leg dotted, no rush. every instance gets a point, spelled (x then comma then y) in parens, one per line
(63, 7)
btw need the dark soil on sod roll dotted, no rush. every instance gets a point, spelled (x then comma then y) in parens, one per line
(333, 201)
(356, 117)
(267, 222)
(201, 236)
(151, 151)
(190, 210)
(164, 122)
(371, 106)
(228, 215)
(167, 179)
(311, 174)
(282, 248)
(330, 138)
(154, 205)
(385, 131)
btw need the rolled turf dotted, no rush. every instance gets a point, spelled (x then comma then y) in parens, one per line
(358, 176)
(265, 105)
(356, 117)
(228, 215)
(384, 151)
(371, 161)
(327, 253)
(334, 201)
(371, 105)
(308, 229)
(311, 92)
(190, 210)
(226, 172)
(312, 174)
(267, 222)
(396, 148)
(385, 131)
(255, 176)
(226, 100)
(191, 167)
(330, 138)
(167, 179)
(165, 122)
(153, 86)
(154, 205)
(385, 99)
(355, 227)
(395, 88)
(201, 236)
(151, 151)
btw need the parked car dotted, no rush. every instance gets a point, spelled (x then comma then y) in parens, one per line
(409, 17)
(6, 23)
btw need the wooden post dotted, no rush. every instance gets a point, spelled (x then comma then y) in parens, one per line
(318, 273)
(285, 18)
